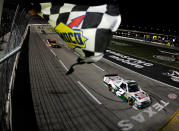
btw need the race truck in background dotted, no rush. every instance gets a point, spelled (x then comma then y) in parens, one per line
(52, 43)
(127, 90)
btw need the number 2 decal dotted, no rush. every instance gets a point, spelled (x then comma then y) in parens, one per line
(119, 92)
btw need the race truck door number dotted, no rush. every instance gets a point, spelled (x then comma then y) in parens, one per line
(119, 92)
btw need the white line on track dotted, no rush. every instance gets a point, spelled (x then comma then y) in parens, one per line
(59, 60)
(53, 52)
(63, 65)
(89, 93)
(98, 67)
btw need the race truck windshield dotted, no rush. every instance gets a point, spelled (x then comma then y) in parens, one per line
(133, 87)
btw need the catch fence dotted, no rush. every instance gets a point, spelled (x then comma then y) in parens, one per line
(17, 29)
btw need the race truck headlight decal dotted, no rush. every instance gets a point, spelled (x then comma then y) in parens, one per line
(86, 29)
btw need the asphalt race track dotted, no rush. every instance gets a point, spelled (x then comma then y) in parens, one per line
(148, 68)
(80, 101)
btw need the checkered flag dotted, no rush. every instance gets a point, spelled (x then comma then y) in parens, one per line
(86, 29)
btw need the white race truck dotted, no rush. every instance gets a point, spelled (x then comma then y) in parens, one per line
(127, 90)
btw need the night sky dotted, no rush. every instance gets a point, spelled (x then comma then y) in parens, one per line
(155, 16)
(139, 14)
(148, 12)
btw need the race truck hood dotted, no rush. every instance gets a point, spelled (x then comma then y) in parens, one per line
(117, 83)
(140, 96)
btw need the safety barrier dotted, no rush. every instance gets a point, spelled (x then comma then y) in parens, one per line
(8, 64)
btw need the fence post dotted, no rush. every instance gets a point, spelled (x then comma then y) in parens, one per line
(1, 8)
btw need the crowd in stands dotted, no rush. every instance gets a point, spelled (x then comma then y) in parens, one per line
(168, 40)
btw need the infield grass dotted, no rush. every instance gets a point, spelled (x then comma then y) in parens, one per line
(145, 51)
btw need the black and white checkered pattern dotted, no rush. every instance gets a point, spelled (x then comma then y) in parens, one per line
(97, 26)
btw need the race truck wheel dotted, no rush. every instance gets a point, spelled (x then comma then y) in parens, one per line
(110, 87)
(130, 101)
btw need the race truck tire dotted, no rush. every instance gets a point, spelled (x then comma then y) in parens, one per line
(110, 87)
(130, 101)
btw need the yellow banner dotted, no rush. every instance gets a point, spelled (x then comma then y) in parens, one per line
(72, 37)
